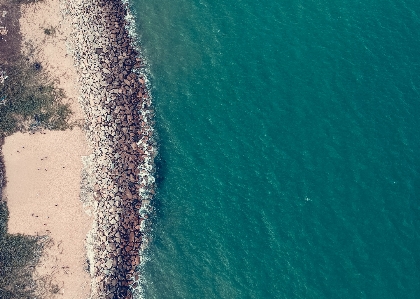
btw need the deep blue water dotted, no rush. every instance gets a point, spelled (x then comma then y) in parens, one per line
(289, 148)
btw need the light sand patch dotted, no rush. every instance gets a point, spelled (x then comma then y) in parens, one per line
(43, 174)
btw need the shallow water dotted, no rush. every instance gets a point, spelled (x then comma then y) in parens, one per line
(289, 148)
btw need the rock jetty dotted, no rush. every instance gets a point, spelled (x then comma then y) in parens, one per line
(118, 183)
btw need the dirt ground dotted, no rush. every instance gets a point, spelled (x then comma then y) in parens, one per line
(9, 31)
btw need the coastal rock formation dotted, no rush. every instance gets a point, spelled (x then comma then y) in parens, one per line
(119, 182)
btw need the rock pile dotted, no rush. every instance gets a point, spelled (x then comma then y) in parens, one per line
(119, 128)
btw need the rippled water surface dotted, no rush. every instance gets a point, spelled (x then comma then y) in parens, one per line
(289, 148)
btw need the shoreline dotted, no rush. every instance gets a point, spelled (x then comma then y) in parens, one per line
(113, 156)
(118, 183)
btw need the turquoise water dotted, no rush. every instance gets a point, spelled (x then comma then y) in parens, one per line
(289, 148)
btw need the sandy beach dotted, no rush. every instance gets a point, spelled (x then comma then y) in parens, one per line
(96, 212)
(44, 169)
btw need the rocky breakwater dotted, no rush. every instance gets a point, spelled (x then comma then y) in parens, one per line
(119, 182)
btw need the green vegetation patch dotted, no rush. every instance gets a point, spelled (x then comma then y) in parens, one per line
(19, 255)
(29, 100)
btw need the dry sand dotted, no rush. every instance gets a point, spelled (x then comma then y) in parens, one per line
(43, 174)
(44, 169)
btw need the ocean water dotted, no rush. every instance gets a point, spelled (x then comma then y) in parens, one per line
(289, 135)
